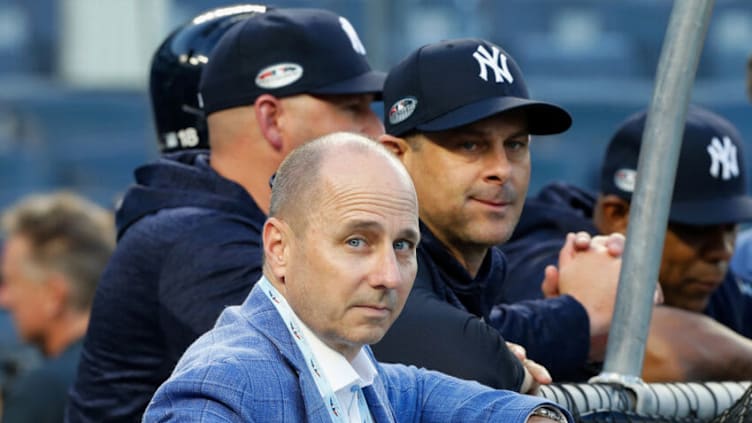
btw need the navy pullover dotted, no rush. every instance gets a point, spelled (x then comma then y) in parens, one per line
(448, 323)
(189, 244)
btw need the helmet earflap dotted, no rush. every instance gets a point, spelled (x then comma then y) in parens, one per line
(176, 69)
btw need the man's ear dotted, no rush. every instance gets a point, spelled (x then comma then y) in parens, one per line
(58, 294)
(268, 109)
(611, 214)
(398, 146)
(276, 247)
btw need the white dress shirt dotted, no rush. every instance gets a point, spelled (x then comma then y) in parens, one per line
(343, 376)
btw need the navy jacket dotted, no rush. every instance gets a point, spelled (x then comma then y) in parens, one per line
(248, 369)
(189, 244)
(731, 304)
(560, 208)
(39, 395)
(448, 323)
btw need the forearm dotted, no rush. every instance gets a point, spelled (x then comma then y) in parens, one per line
(687, 346)
(445, 398)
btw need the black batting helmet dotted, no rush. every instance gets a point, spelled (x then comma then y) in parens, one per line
(175, 73)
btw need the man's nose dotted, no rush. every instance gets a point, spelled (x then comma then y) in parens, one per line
(720, 244)
(388, 271)
(497, 165)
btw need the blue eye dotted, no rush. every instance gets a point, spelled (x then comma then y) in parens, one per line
(355, 242)
(402, 245)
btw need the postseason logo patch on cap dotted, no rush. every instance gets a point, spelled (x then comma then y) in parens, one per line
(279, 75)
(402, 109)
(624, 179)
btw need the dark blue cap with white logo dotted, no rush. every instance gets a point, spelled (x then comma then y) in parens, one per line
(711, 183)
(286, 52)
(457, 82)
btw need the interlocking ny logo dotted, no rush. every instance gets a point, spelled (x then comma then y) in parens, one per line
(724, 159)
(496, 61)
(352, 35)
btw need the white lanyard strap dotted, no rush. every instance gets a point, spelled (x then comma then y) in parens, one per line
(325, 390)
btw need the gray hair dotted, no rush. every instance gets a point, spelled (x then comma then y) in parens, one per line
(67, 234)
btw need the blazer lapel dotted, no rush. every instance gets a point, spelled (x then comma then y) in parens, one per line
(378, 403)
(273, 327)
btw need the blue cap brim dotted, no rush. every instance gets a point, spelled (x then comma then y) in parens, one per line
(737, 209)
(367, 83)
(543, 118)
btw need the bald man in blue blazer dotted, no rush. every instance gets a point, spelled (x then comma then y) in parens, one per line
(339, 262)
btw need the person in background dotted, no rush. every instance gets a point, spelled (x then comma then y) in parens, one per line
(56, 248)
(466, 146)
(741, 261)
(339, 262)
(16, 356)
(710, 199)
(189, 230)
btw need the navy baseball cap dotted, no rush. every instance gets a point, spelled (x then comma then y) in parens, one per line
(285, 52)
(457, 82)
(711, 181)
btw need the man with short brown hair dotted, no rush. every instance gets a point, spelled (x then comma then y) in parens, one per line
(459, 116)
(56, 248)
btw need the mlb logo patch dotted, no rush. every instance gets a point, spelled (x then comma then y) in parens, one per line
(402, 109)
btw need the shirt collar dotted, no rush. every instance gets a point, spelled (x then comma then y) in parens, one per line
(339, 372)
(491, 269)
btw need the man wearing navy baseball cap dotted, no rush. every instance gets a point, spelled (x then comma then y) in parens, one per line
(459, 116)
(281, 79)
(190, 229)
(741, 262)
(710, 199)
(710, 171)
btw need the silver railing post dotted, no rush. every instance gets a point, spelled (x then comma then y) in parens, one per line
(651, 200)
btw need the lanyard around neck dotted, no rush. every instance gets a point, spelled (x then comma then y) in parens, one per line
(325, 390)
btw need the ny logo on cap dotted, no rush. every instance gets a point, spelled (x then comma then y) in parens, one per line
(724, 160)
(352, 35)
(496, 61)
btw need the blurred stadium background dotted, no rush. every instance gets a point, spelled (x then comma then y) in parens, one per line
(74, 110)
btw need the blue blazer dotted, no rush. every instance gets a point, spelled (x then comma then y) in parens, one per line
(248, 369)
